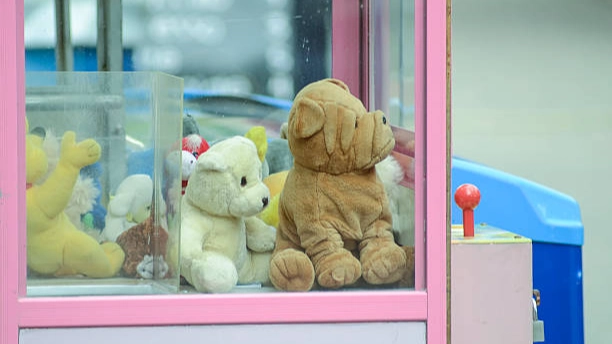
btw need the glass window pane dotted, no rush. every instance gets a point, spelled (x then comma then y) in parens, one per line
(239, 66)
(102, 206)
(392, 80)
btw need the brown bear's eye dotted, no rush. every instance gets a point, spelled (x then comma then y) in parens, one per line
(384, 120)
(243, 181)
(356, 125)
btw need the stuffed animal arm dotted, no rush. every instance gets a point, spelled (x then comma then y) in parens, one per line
(53, 196)
(260, 236)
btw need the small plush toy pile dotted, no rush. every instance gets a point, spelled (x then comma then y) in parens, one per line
(312, 209)
(323, 209)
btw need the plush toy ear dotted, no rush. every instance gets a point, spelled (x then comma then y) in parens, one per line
(308, 118)
(211, 161)
(120, 204)
(339, 84)
(283, 130)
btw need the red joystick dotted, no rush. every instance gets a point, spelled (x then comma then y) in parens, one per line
(467, 198)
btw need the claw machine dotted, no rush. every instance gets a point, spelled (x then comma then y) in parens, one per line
(72, 274)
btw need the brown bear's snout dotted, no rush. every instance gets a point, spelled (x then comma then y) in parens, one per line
(376, 142)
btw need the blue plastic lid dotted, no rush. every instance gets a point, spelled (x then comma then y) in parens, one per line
(192, 93)
(518, 205)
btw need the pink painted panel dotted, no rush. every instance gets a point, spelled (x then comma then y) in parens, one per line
(12, 175)
(190, 309)
(419, 144)
(224, 309)
(346, 46)
(364, 63)
(380, 54)
(436, 175)
(489, 276)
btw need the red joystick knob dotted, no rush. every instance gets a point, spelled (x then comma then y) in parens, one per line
(467, 198)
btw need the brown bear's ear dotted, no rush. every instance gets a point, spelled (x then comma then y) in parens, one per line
(307, 118)
(211, 161)
(339, 83)
(283, 130)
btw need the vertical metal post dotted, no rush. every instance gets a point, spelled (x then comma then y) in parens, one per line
(109, 50)
(110, 43)
(63, 49)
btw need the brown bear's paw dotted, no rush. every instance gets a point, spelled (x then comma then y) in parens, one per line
(384, 264)
(338, 269)
(291, 270)
(407, 280)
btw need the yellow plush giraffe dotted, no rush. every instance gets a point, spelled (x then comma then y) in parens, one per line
(274, 182)
(55, 246)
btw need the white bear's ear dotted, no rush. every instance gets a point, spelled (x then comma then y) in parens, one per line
(211, 161)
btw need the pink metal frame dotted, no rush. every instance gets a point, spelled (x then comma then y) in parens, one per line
(348, 43)
(17, 311)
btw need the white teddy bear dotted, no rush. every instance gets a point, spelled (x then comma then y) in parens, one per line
(130, 205)
(223, 243)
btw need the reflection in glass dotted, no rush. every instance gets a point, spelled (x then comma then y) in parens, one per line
(392, 89)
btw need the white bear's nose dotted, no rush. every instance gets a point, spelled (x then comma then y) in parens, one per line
(264, 201)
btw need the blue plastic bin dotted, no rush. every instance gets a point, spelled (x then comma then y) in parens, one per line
(552, 220)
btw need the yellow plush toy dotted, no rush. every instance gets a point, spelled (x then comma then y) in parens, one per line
(275, 183)
(258, 135)
(55, 246)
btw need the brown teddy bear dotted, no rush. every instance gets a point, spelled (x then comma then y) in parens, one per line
(335, 223)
